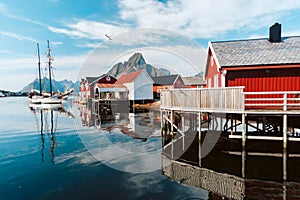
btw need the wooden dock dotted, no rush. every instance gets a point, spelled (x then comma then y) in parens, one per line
(247, 115)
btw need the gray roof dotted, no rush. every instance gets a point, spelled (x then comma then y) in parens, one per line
(193, 80)
(91, 79)
(257, 52)
(165, 80)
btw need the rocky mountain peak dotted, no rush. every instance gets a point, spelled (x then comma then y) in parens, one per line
(137, 59)
(134, 63)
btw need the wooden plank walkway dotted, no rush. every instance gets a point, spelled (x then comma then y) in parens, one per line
(233, 100)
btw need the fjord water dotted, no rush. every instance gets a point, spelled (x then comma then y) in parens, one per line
(57, 164)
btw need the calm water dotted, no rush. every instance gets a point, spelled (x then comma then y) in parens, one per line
(71, 158)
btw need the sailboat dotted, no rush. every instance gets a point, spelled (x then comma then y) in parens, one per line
(41, 97)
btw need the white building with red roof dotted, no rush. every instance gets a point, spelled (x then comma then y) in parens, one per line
(139, 85)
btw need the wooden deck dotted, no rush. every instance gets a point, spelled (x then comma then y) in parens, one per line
(231, 100)
(281, 108)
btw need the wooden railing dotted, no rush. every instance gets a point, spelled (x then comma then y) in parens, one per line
(205, 99)
(284, 101)
(230, 99)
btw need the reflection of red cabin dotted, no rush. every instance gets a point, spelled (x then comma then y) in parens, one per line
(260, 65)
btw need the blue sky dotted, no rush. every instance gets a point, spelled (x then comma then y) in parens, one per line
(76, 28)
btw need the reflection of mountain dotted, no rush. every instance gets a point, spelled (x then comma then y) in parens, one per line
(134, 63)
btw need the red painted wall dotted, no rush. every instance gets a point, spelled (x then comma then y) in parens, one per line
(212, 70)
(265, 80)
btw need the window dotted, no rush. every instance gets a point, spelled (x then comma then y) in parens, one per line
(107, 78)
(216, 80)
(209, 82)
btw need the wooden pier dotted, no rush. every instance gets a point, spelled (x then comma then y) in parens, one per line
(243, 115)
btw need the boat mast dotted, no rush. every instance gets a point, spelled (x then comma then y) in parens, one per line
(49, 65)
(39, 64)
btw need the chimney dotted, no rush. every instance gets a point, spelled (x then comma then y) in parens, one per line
(275, 33)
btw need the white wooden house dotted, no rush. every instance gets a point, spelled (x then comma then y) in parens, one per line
(139, 85)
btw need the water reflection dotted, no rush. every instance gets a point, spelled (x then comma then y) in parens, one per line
(47, 124)
(139, 125)
(263, 170)
(124, 140)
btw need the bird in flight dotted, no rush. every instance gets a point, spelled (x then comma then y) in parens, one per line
(109, 37)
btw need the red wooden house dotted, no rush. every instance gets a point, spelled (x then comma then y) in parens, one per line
(87, 84)
(269, 64)
(265, 65)
(166, 82)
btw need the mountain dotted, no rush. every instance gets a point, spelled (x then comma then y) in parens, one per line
(60, 86)
(200, 74)
(134, 63)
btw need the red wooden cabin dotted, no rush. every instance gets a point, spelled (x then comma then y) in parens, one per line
(260, 65)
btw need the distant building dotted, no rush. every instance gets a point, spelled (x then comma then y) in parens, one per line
(139, 85)
(193, 81)
(87, 84)
(166, 82)
(269, 64)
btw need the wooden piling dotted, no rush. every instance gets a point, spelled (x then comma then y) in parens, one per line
(199, 137)
(243, 131)
(284, 131)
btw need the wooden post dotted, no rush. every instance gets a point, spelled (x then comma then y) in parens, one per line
(285, 121)
(172, 141)
(243, 162)
(182, 128)
(231, 124)
(243, 131)
(284, 131)
(171, 116)
(199, 137)
(284, 162)
(162, 128)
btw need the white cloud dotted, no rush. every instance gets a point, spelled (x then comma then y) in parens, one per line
(56, 43)
(5, 52)
(204, 19)
(6, 12)
(89, 29)
(72, 33)
(17, 36)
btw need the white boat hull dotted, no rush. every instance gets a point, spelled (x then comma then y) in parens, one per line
(45, 100)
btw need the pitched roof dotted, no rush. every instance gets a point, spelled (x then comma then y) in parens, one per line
(257, 52)
(193, 80)
(129, 77)
(91, 79)
(165, 80)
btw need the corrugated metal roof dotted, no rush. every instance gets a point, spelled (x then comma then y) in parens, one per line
(129, 77)
(193, 80)
(257, 52)
(165, 80)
